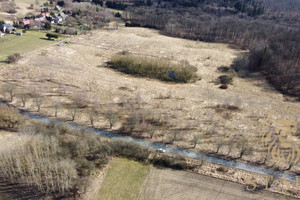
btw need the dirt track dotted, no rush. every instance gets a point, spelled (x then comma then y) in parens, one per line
(179, 185)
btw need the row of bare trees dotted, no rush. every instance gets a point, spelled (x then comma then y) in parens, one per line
(10, 91)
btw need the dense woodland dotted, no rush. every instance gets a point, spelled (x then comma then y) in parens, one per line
(268, 28)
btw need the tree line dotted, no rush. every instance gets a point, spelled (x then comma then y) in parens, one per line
(274, 49)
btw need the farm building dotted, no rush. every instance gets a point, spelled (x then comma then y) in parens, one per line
(57, 8)
(62, 15)
(7, 28)
(58, 19)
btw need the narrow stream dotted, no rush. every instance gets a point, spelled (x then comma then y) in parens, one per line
(182, 152)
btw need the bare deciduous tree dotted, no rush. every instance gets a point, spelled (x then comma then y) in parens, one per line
(56, 106)
(175, 135)
(39, 100)
(73, 110)
(150, 129)
(112, 117)
(93, 116)
(219, 143)
(9, 89)
(24, 97)
(132, 120)
(244, 147)
(196, 139)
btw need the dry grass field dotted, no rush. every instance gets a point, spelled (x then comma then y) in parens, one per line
(22, 9)
(176, 185)
(77, 69)
(10, 140)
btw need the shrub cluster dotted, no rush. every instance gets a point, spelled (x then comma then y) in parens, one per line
(13, 58)
(154, 68)
(176, 162)
(129, 150)
(68, 31)
(9, 117)
(51, 36)
(225, 79)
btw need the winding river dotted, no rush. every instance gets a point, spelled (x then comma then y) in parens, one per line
(178, 151)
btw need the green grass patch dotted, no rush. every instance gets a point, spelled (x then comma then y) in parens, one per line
(29, 41)
(124, 180)
(161, 69)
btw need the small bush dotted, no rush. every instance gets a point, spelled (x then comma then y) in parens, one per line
(51, 35)
(240, 63)
(47, 26)
(129, 150)
(118, 14)
(9, 117)
(258, 58)
(154, 68)
(124, 52)
(62, 128)
(225, 79)
(132, 24)
(13, 58)
(171, 162)
(223, 69)
(83, 166)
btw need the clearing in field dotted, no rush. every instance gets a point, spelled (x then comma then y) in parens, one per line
(124, 180)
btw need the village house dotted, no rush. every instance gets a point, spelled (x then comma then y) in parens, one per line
(26, 23)
(57, 8)
(7, 28)
(62, 15)
(58, 19)
(43, 17)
